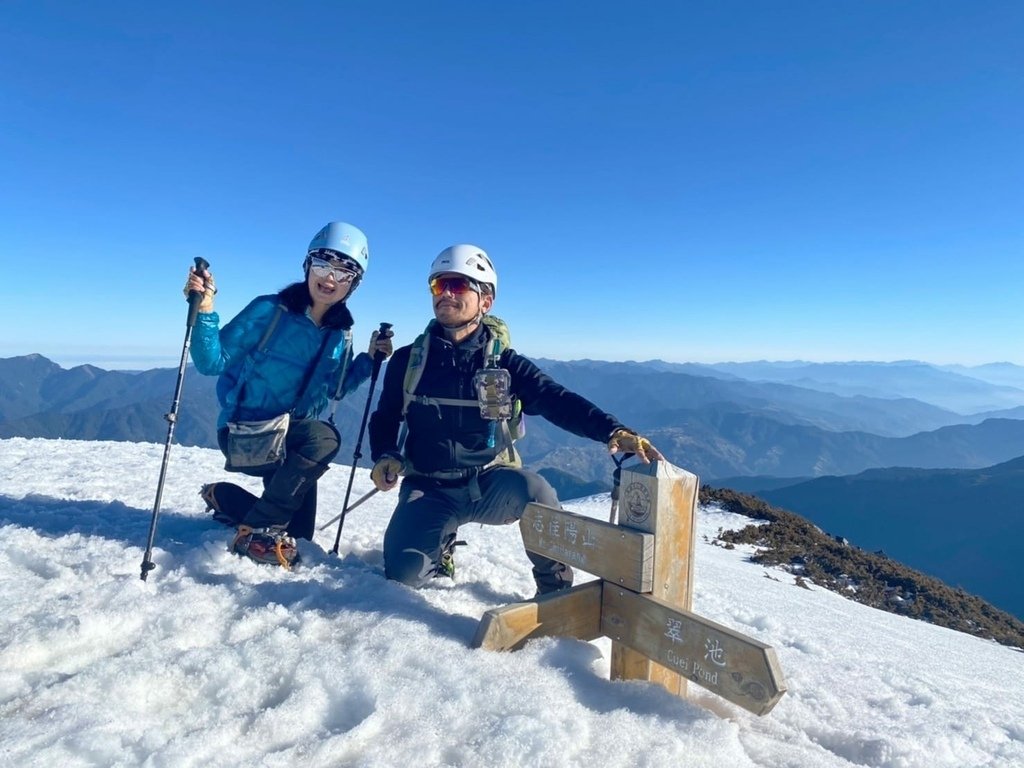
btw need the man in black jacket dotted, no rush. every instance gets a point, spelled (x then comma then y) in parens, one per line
(456, 469)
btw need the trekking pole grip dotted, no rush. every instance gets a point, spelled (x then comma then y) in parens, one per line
(194, 297)
(383, 331)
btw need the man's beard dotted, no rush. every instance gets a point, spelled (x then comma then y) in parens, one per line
(459, 326)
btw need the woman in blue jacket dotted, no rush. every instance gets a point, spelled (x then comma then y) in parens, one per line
(288, 352)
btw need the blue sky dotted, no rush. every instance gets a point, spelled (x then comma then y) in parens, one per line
(688, 181)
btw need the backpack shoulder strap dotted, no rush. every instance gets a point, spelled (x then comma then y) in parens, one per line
(346, 358)
(511, 429)
(500, 338)
(250, 359)
(278, 311)
(414, 368)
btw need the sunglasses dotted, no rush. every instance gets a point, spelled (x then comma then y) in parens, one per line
(323, 268)
(454, 285)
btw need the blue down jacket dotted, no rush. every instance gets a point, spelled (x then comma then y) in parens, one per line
(272, 377)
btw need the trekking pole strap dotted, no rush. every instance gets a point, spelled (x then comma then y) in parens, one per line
(616, 481)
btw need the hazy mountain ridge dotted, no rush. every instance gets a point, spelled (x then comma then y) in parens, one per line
(38, 398)
(953, 389)
(930, 519)
(638, 391)
(726, 444)
(874, 579)
(1003, 373)
(715, 427)
(978, 390)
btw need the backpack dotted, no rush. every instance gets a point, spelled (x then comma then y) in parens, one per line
(511, 420)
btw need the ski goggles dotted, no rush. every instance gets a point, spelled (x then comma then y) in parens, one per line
(323, 268)
(454, 285)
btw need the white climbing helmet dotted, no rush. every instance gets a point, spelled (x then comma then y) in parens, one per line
(468, 260)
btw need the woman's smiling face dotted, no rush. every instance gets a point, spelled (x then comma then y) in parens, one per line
(329, 280)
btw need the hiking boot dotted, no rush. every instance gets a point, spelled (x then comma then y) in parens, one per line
(228, 502)
(446, 563)
(554, 579)
(267, 546)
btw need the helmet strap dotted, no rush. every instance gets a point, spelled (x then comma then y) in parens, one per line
(463, 326)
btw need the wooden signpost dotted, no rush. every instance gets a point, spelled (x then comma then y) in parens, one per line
(643, 596)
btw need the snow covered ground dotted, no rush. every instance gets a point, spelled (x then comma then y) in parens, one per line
(215, 661)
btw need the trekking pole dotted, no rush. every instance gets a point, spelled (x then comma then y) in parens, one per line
(194, 297)
(365, 497)
(378, 358)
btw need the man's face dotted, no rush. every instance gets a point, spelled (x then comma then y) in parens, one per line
(457, 299)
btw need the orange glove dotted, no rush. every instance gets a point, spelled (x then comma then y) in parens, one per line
(627, 441)
(386, 471)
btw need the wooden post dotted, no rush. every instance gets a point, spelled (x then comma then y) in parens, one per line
(643, 596)
(573, 612)
(738, 668)
(616, 554)
(660, 499)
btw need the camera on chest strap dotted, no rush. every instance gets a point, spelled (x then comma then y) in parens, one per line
(493, 388)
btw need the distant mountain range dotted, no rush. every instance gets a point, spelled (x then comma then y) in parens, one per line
(967, 390)
(957, 515)
(1004, 374)
(726, 427)
(873, 578)
(717, 426)
(38, 398)
(964, 526)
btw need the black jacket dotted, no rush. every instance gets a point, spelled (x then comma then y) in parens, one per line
(444, 437)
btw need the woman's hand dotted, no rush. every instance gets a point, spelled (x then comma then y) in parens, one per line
(381, 343)
(201, 282)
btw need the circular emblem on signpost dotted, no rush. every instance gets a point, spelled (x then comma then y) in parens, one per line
(637, 502)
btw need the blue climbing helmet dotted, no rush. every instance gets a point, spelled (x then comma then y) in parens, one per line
(340, 241)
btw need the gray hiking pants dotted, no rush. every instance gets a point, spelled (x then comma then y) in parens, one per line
(430, 511)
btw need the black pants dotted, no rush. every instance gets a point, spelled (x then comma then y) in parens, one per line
(430, 511)
(289, 491)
